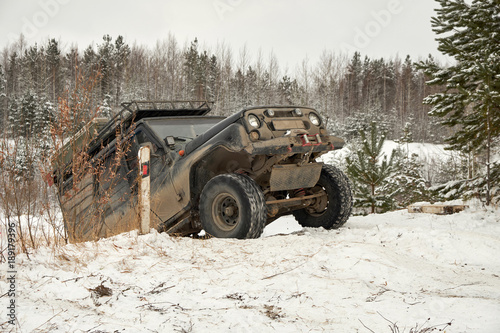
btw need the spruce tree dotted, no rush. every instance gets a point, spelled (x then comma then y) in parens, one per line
(369, 169)
(408, 184)
(354, 82)
(89, 61)
(407, 136)
(212, 79)
(53, 59)
(29, 116)
(32, 78)
(120, 58)
(105, 53)
(202, 75)
(288, 90)
(470, 33)
(191, 70)
(70, 67)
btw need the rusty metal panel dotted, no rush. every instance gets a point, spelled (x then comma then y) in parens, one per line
(292, 176)
(283, 125)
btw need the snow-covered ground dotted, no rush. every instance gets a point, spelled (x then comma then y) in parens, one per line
(429, 154)
(415, 270)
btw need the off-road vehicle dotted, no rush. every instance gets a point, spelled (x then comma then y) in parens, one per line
(228, 176)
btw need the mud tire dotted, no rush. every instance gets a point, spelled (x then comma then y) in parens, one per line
(338, 189)
(232, 206)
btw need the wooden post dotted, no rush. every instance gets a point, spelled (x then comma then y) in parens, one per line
(145, 188)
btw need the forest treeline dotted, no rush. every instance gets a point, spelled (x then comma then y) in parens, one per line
(346, 89)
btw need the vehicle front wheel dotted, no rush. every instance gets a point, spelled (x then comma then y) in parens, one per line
(333, 209)
(232, 206)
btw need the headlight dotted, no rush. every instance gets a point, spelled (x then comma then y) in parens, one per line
(313, 117)
(270, 112)
(253, 121)
(297, 112)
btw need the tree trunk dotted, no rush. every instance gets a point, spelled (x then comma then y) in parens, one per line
(488, 157)
(373, 195)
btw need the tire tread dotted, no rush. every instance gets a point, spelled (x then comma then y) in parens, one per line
(331, 220)
(253, 194)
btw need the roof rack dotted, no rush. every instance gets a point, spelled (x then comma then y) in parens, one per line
(170, 108)
(100, 130)
(136, 110)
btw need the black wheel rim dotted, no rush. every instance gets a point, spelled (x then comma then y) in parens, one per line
(225, 212)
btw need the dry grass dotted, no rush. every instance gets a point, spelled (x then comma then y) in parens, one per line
(28, 163)
(418, 328)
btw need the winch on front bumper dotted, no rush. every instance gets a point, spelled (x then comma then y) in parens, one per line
(302, 143)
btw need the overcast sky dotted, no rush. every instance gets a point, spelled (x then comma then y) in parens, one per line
(291, 29)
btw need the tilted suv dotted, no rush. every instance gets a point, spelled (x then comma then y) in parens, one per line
(228, 176)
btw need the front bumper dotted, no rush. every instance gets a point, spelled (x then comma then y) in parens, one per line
(294, 145)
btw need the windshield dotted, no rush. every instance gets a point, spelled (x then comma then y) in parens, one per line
(182, 128)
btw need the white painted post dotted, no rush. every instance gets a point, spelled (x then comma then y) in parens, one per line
(145, 189)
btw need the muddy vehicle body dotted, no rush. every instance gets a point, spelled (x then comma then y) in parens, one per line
(228, 176)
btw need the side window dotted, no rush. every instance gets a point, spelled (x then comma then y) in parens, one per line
(141, 137)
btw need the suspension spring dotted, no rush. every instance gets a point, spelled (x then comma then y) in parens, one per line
(300, 192)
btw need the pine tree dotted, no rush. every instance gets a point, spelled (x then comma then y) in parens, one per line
(406, 89)
(89, 60)
(367, 82)
(70, 68)
(202, 76)
(239, 89)
(377, 92)
(29, 116)
(191, 60)
(53, 58)
(369, 169)
(354, 81)
(105, 53)
(408, 183)
(120, 59)
(288, 90)
(213, 79)
(252, 83)
(12, 75)
(407, 136)
(31, 66)
(470, 33)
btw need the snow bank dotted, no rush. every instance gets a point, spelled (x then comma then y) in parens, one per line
(409, 268)
(427, 152)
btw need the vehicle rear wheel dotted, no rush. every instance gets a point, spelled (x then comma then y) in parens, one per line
(333, 209)
(232, 206)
